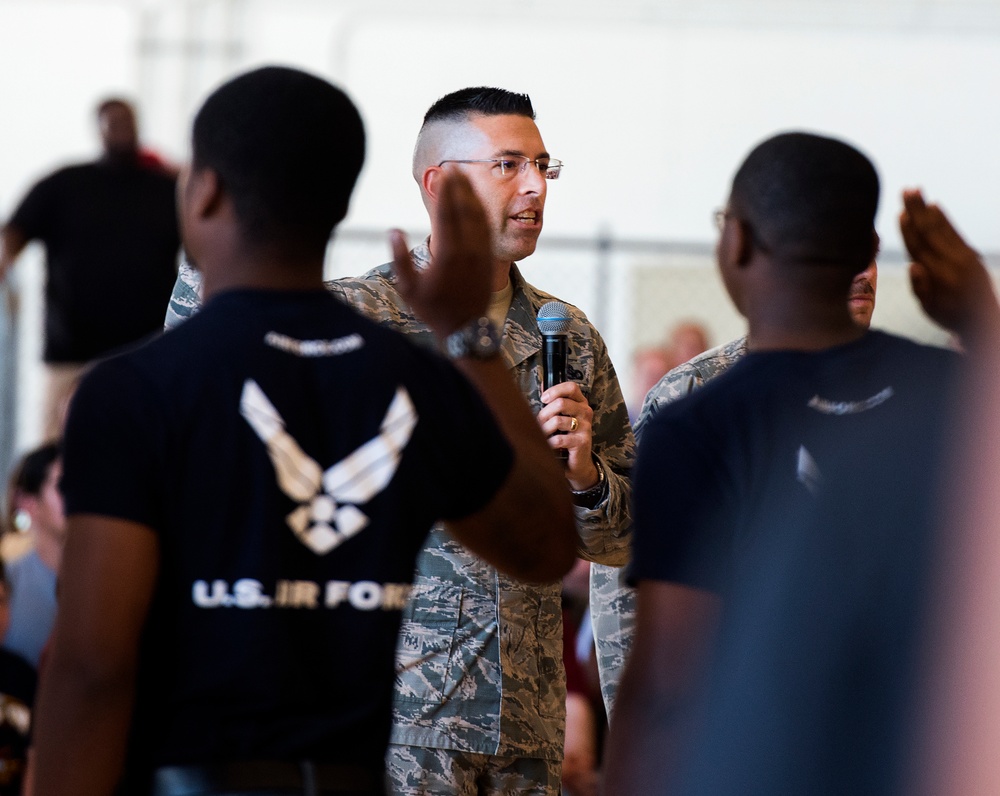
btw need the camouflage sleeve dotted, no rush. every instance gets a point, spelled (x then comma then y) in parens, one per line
(681, 381)
(605, 531)
(612, 600)
(185, 301)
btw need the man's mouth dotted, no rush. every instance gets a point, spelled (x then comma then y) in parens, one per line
(863, 291)
(528, 217)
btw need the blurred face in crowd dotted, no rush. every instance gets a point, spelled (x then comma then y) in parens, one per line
(46, 508)
(861, 298)
(119, 135)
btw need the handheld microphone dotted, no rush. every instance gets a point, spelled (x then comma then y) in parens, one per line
(553, 323)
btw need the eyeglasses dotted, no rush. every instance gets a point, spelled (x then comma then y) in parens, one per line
(719, 217)
(510, 165)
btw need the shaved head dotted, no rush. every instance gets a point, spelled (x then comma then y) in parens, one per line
(444, 139)
(446, 133)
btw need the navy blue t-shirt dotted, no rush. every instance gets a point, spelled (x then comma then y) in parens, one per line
(815, 683)
(290, 456)
(717, 467)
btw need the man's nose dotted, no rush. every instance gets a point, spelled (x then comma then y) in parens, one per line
(532, 180)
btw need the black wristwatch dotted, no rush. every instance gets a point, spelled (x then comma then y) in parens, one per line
(591, 498)
(476, 340)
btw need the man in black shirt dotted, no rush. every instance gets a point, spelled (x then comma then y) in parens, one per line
(110, 233)
(247, 494)
(721, 470)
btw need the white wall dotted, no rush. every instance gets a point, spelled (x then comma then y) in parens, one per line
(651, 104)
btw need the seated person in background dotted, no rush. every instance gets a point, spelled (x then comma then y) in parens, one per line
(36, 508)
(17, 698)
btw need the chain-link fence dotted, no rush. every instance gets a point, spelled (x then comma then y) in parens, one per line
(635, 292)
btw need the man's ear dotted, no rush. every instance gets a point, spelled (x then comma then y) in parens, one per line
(742, 242)
(205, 192)
(430, 182)
(735, 246)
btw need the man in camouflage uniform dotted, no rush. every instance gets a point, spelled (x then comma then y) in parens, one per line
(480, 688)
(612, 602)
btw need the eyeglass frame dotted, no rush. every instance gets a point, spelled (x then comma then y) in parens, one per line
(721, 215)
(553, 163)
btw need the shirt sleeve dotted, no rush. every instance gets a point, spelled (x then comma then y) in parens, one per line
(679, 496)
(469, 456)
(113, 449)
(34, 216)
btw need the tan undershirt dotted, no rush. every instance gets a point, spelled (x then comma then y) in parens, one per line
(500, 305)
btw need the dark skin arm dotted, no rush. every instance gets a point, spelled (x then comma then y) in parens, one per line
(528, 528)
(947, 275)
(674, 626)
(85, 699)
(12, 243)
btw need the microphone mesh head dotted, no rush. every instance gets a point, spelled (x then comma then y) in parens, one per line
(553, 318)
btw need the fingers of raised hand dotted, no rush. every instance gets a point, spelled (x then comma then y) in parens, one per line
(402, 262)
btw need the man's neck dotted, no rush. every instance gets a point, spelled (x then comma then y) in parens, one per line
(501, 270)
(259, 273)
(120, 159)
(814, 330)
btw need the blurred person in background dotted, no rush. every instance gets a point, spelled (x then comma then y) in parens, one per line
(109, 228)
(35, 507)
(17, 697)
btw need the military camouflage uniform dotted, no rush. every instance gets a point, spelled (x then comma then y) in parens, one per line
(479, 661)
(612, 602)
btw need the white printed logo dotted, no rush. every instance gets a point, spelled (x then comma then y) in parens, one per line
(807, 471)
(327, 514)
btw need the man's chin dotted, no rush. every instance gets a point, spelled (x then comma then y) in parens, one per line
(525, 248)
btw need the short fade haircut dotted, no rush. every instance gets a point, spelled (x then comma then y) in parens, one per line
(809, 199)
(287, 147)
(484, 100)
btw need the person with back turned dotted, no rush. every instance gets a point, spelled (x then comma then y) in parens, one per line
(247, 494)
(480, 684)
(721, 471)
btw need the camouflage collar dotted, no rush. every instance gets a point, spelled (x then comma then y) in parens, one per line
(422, 253)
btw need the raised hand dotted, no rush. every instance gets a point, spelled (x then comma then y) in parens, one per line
(947, 275)
(455, 288)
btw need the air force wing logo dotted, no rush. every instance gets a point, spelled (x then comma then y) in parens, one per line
(328, 512)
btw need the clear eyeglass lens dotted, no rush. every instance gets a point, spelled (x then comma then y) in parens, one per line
(511, 166)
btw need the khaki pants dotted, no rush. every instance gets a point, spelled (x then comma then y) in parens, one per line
(60, 382)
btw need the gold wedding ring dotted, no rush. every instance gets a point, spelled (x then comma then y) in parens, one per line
(573, 425)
